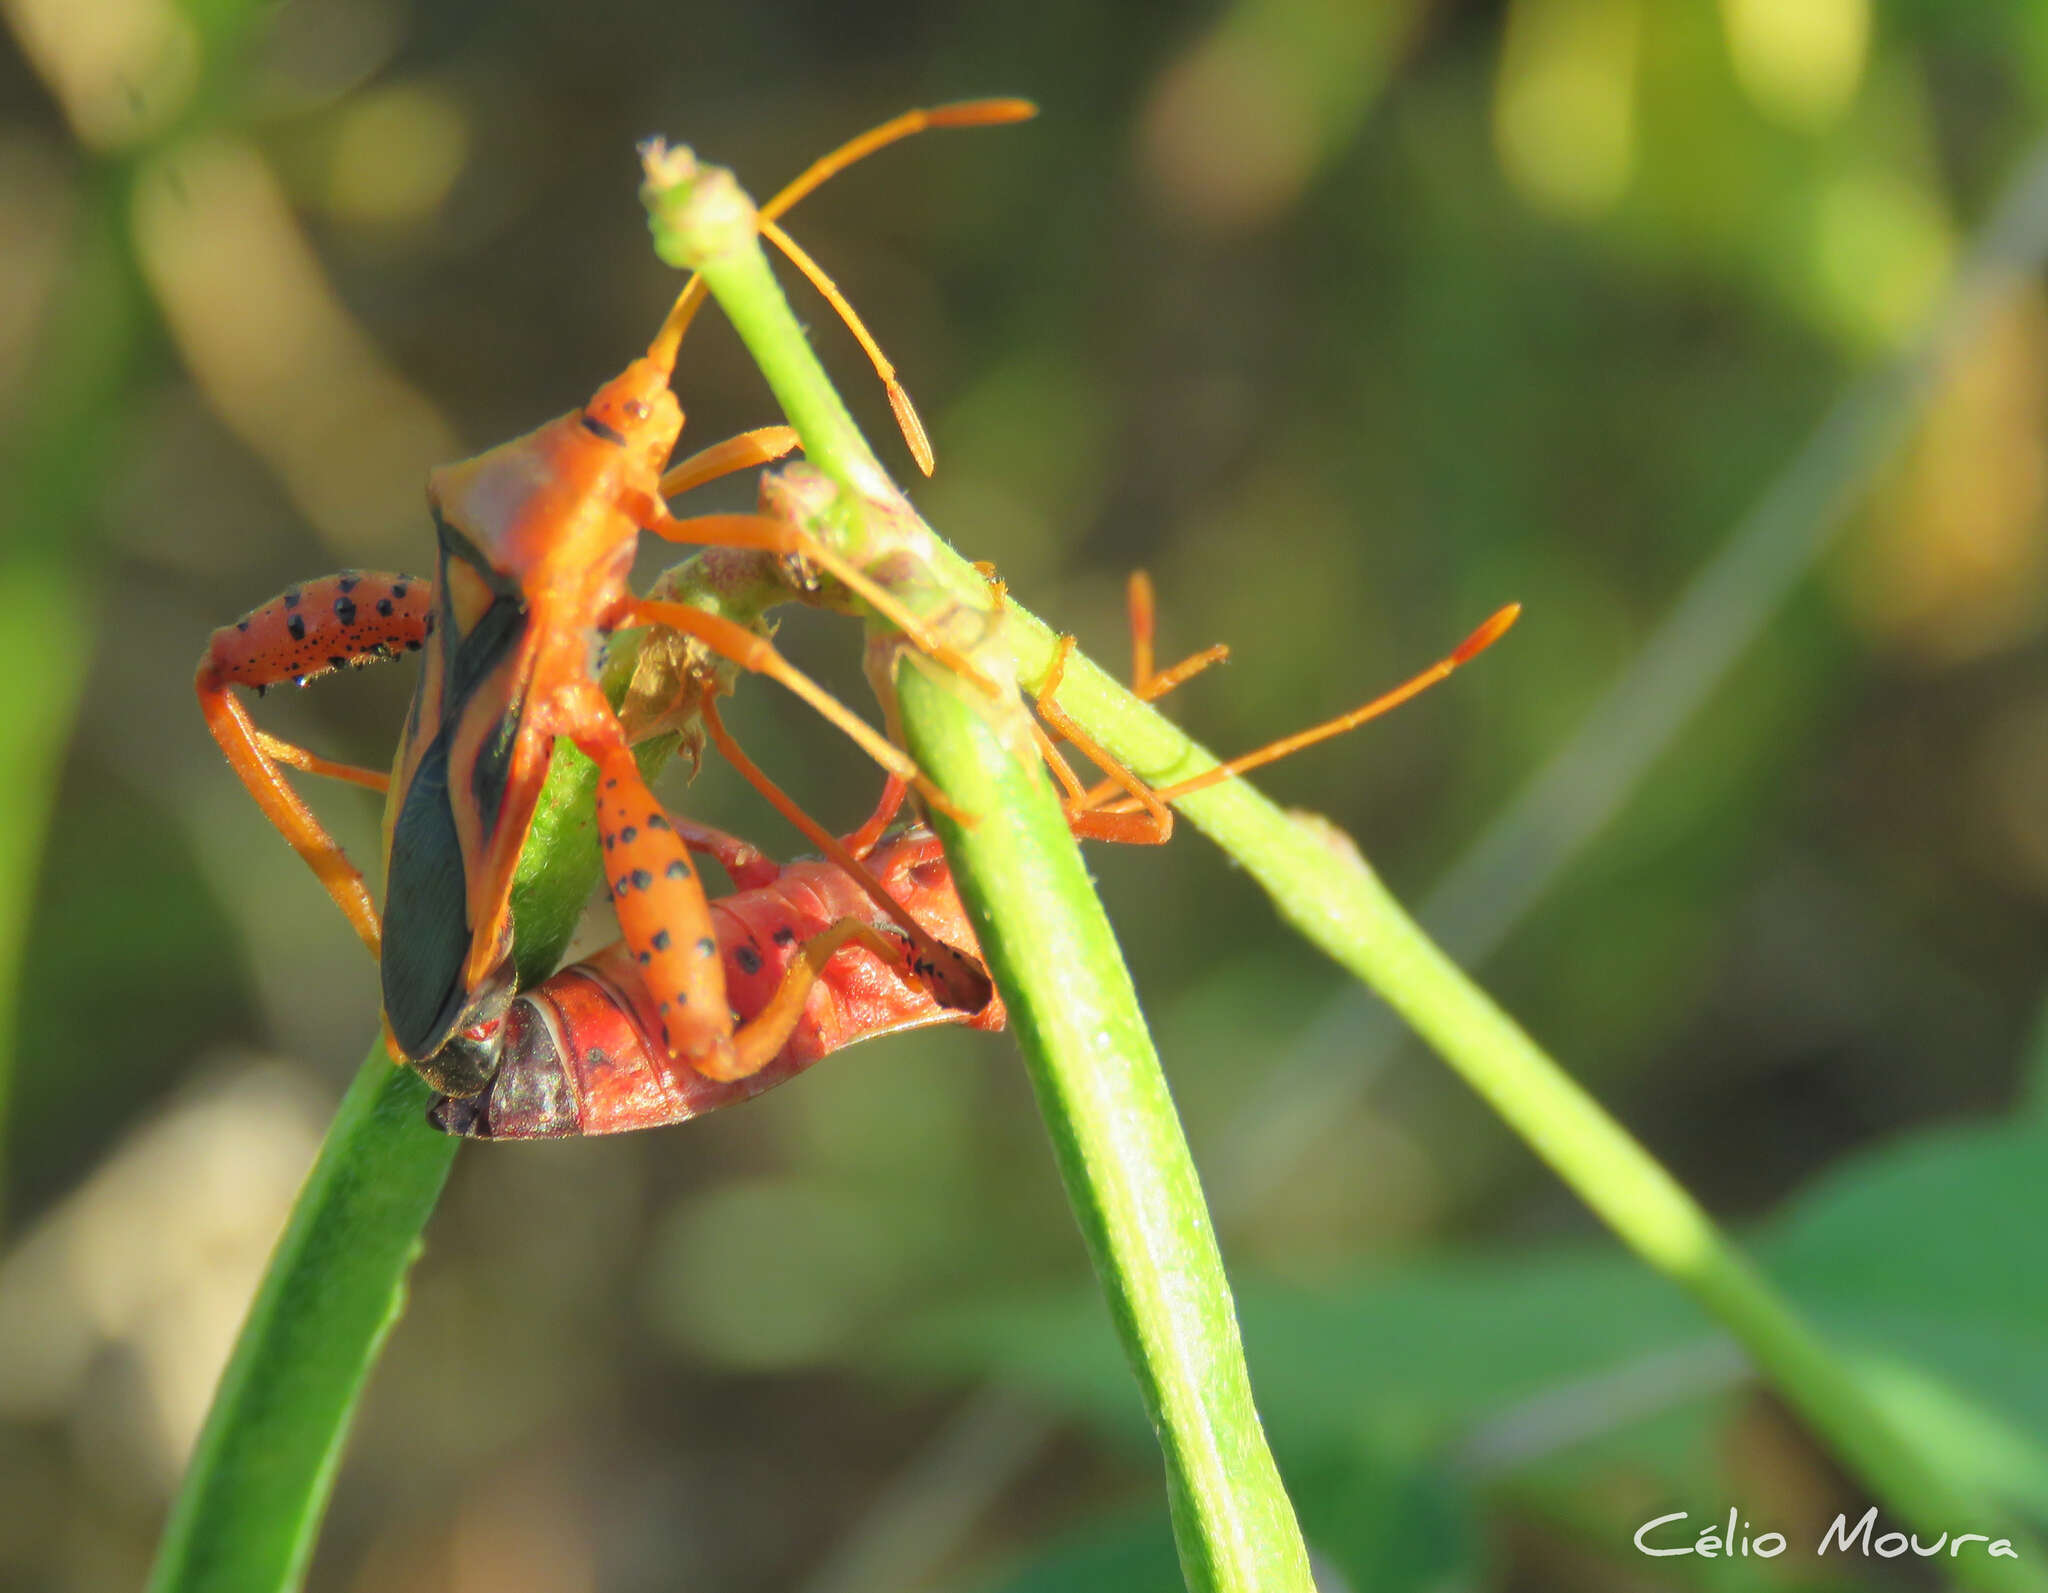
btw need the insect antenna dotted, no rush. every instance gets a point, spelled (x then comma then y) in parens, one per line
(967, 113)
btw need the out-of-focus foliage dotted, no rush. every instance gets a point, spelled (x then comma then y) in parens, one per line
(1349, 323)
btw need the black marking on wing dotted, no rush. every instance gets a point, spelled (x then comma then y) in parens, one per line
(426, 912)
(426, 915)
(456, 544)
(493, 767)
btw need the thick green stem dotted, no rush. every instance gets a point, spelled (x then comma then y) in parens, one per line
(1121, 1152)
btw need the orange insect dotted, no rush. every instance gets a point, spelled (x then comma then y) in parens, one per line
(536, 541)
(581, 1053)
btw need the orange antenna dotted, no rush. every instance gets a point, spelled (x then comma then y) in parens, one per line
(907, 419)
(1470, 648)
(967, 113)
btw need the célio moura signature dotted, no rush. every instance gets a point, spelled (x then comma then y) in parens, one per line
(1664, 1536)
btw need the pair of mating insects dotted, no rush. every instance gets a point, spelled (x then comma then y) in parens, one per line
(701, 1002)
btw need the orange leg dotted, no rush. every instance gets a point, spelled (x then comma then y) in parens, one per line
(756, 653)
(762, 1040)
(350, 619)
(1141, 817)
(955, 979)
(770, 535)
(295, 756)
(745, 864)
(864, 840)
(763, 445)
(1495, 627)
(1145, 681)
(662, 912)
(666, 922)
(1155, 828)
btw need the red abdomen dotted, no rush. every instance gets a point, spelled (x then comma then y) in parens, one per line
(582, 1053)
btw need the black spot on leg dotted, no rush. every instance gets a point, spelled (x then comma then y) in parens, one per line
(660, 941)
(677, 870)
(643, 958)
(413, 645)
(398, 589)
(345, 610)
(707, 947)
(335, 661)
(628, 835)
(656, 822)
(291, 598)
(785, 936)
(598, 428)
(241, 625)
(748, 958)
(348, 582)
(642, 879)
(385, 607)
(297, 626)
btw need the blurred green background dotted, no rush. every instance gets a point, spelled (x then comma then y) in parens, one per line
(1350, 323)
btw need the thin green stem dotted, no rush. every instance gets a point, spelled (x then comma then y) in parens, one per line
(1128, 1172)
(1326, 891)
(248, 1513)
(1324, 888)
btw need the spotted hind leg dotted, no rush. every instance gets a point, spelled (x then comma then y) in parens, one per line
(340, 621)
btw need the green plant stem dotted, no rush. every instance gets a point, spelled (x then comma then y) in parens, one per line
(248, 1515)
(1324, 888)
(1321, 885)
(1122, 1155)
(1125, 1162)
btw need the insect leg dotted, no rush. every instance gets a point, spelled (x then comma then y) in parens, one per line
(662, 912)
(954, 979)
(754, 652)
(770, 535)
(864, 840)
(350, 619)
(764, 1036)
(1495, 627)
(1154, 828)
(297, 757)
(1146, 682)
(745, 864)
(761, 446)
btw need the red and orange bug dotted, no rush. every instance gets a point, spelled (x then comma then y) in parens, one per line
(580, 1054)
(536, 541)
